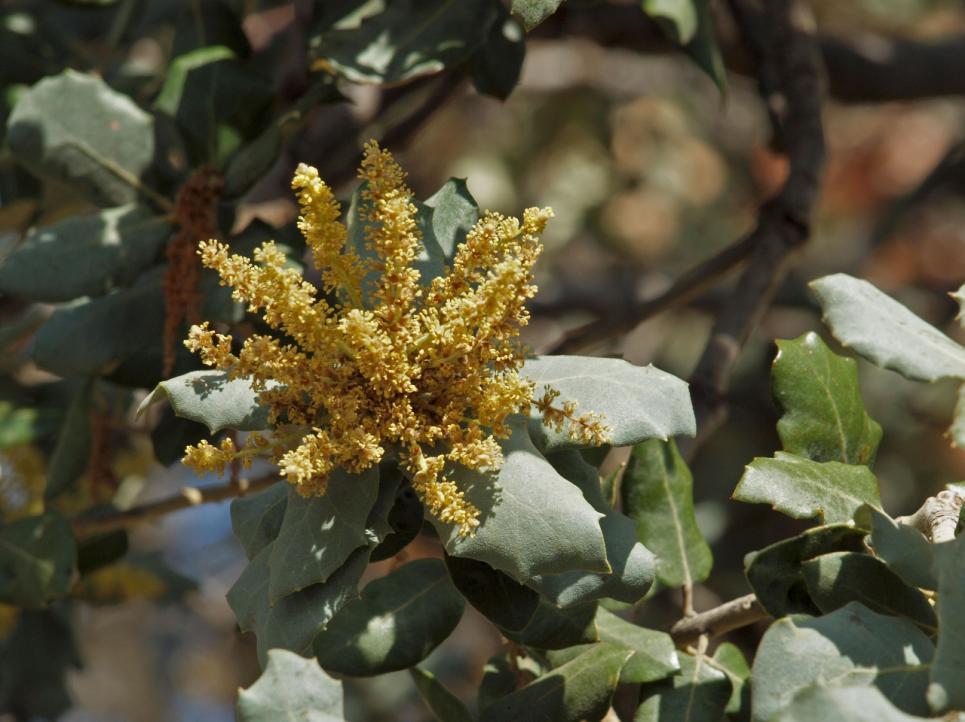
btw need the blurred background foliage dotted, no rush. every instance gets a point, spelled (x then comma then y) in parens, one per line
(651, 160)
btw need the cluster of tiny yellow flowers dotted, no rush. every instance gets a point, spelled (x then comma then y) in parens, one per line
(427, 372)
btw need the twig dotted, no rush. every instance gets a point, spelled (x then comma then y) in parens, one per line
(938, 517)
(189, 496)
(732, 615)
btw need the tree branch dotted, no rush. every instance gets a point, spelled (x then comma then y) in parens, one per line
(729, 616)
(88, 524)
(938, 517)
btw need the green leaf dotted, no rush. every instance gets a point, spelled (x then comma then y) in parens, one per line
(677, 18)
(505, 602)
(294, 621)
(774, 572)
(519, 533)
(804, 489)
(496, 65)
(408, 39)
(658, 495)
(444, 220)
(212, 399)
(503, 674)
(84, 255)
(395, 623)
(947, 688)
(578, 690)
(318, 534)
(957, 429)
(654, 655)
(819, 703)
(835, 579)
(533, 12)
(903, 548)
(74, 129)
(291, 687)
(405, 519)
(731, 661)
(37, 560)
(885, 332)
(699, 693)
(68, 461)
(553, 628)
(823, 414)
(443, 704)
(851, 646)
(704, 50)
(636, 402)
(257, 519)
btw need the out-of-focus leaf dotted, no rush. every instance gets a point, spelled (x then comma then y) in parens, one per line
(212, 399)
(677, 18)
(824, 417)
(698, 693)
(903, 548)
(495, 67)
(69, 457)
(533, 12)
(37, 560)
(654, 655)
(75, 129)
(835, 579)
(731, 661)
(139, 576)
(581, 689)
(885, 332)
(395, 623)
(209, 23)
(502, 600)
(636, 402)
(443, 704)
(947, 688)
(851, 646)
(658, 495)
(804, 489)
(704, 50)
(99, 551)
(84, 255)
(820, 703)
(957, 429)
(775, 571)
(291, 687)
(409, 38)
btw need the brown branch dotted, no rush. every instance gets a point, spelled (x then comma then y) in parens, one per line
(98, 523)
(938, 516)
(732, 615)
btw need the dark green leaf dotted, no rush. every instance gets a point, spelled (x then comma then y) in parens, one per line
(84, 255)
(70, 456)
(405, 519)
(658, 495)
(677, 18)
(636, 402)
(318, 534)
(947, 688)
(443, 704)
(885, 332)
(553, 628)
(257, 519)
(805, 489)
(903, 548)
(824, 417)
(505, 602)
(835, 579)
(731, 661)
(851, 646)
(407, 39)
(503, 674)
(37, 560)
(704, 49)
(291, 688)
(496, 65)
(398, 620)
(209, 23)
(699, 693)
(74, 129)
(654, 656)
(819, 703)
(172, 434)
(578, 690)
(212, 399)
(533, 12)
(444, 220)
(775, 572)
(98, 551)
(957, 429)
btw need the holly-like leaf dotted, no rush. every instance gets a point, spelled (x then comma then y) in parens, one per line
(408, 39)
(823, 415)
(698, 693)
(903, 548)
(658, 495)
(731, 661)
(37, 560)
(72, 451)
(820, 703)
(851, 646)
(636, 402)
(654, 655)
(256, 519)
(318, 534)
(578, 690)
(502, 600)
(775, 571)
(291, 687)
(677, 18)
(443, 704)
(496, 65)
(947, 688)
(835, 579)
(885, 332)
(533, 12)
(519, 533)
(804, 489)
(212, 399)
(444, 219)
(74, 129)
(85, 255)
(395, 623)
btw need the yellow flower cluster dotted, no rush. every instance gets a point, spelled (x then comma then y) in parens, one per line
(427, 372)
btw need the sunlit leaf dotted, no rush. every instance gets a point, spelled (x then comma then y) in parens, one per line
(533, 12)
(820, 703)
(947, 688)
(698, 693)
(654, 655)
(212, 399)
(291, 687)
(731, 661)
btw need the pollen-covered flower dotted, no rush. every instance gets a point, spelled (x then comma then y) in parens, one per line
(424, 370)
